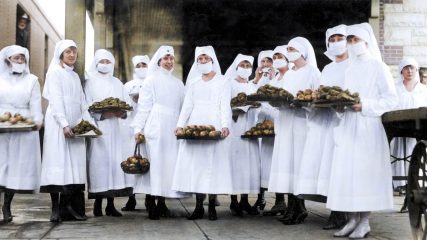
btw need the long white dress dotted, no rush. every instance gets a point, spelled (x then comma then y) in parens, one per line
(291, 129)
(159, 104)
(106, 178)
(64, 159)
(314, 171)
(361, 172)
(407, 100)
(204, 166)
(245, 156)
(267, 112)
(21, 156)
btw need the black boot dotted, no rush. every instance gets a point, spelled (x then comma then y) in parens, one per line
(235, 207)
(336, 220)
(7, 214)
(299, 214)
(289, 212)
(260, 202)
(199, 211)
(54, 217)
(162, 208)
(68, 201)
(111, 210)
(153, 212)
(279, 206)
(131, 204)
(97, 207)
(211, 208)
(245, 206)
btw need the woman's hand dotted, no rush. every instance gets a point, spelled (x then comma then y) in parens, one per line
(225, 132)
(357, 107)
(68, 133)
(178, 131)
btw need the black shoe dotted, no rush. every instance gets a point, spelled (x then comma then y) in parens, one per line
(296, 219)
(97, 208)
(235, 209)
(211, 210)
(163, 210)
(7, 214)
(112, 211)
(278, 209)
(245, 206)
(73, 213)
(197, 213)
(260, 204)
(130, 205)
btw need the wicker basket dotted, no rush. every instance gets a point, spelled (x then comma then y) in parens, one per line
(136, 164)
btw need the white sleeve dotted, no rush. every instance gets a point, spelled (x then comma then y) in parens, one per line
(226, 113)
(187, 107)
(35, 102)
(144, 106)
(387, 99)
(56, 98)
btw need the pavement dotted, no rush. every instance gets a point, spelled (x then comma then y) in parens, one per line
(31, 221)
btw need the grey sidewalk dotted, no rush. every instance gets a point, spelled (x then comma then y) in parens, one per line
(31, 221)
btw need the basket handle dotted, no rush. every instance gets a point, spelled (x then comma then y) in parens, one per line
(137, 150)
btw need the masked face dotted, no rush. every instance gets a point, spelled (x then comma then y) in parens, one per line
(293, 56)
(141, 72)
(105, 68)
(358, 48)
(244, 72)
(280, 63)
(337, 48)
(18, 67)
(205, 68)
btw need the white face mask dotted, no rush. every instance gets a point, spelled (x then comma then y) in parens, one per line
(337, 48)
(293, 56)
(357, 49)
(105, 68)
(205, 68)
(280, 63)
(141, 72)
(244, 72)
(18, 67)
(68, 68)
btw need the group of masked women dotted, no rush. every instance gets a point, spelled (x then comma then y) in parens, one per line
(339, 156)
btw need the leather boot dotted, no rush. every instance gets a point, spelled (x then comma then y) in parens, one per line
(111, 210)
(54, 217)
(71, 211)
(260, 202)
(299, 213)
(279, 206)
(211, 208)
(162, 208)
(131, 204)
(153, 212)
(97, 207)
(235, 206)
(289, 212)
(199, 211)
(245, 206)
(7, 213)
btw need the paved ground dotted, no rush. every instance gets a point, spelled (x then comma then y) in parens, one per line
(31, 214)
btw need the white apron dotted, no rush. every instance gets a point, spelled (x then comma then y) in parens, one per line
(204, 166)
(21, 160)
(245, 158)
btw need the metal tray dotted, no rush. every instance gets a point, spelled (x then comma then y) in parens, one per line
(327, 104)
(16, 128)
(261, 98)
(259, 136)
(200, 138)
(109, 109)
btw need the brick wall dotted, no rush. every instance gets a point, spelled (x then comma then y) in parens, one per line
(403, 31)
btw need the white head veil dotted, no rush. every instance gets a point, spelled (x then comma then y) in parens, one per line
(264, 54)
(304, 47)
(406, 62)
(59, 48)
(140, 59)
(99, 55)
(365, 32)
(153, 65)
(9, 51)
(279, 49)
(194, 73)
(341, 30)
(231, 72)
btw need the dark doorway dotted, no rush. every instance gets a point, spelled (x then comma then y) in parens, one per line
(249, 26)
(22, 27)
